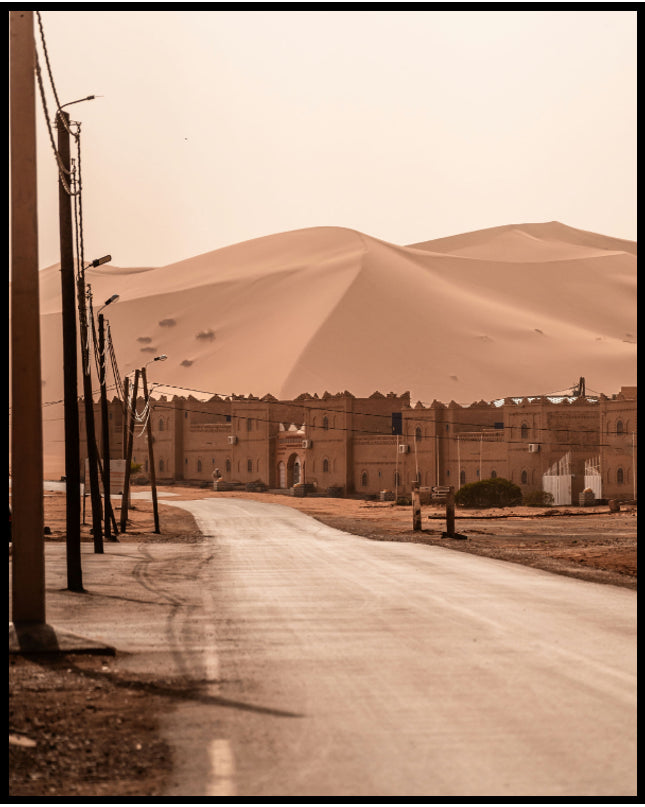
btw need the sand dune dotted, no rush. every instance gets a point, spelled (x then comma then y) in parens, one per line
(515, 310)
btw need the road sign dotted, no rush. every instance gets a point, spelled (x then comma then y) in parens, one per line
(445, 489)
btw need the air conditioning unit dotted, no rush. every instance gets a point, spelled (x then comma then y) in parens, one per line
(534, 448)
(307, 444)
(232, 439)
(403, 449)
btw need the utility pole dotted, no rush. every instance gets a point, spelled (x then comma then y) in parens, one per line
(90, 430)
(105, 429)
(72, 447)
(28, 554)
(128, 456)
(151, 459)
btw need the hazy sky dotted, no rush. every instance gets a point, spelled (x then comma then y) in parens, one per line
(220, 126)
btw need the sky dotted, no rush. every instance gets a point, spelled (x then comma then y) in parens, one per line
(215, 127)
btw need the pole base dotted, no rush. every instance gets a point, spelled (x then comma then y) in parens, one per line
(34, 638)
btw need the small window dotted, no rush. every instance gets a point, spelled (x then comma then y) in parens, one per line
(462, 478)
(161, 467)
(364, 479)
(525, 477)
(161, 424)
(524, 431)
(397, 478)
(199, 466)
(493, 474)
(619, 427)
(249, 465)
(620, 476)
(325, 422)
(228, 466)
(325, 466)
(249, 424)
(418, 434)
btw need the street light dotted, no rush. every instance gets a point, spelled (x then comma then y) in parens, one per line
(99, 261)
(151, 458)
(104, 419)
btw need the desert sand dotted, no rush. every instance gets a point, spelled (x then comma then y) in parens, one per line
(515, 310)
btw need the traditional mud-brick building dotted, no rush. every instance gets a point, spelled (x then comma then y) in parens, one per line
(343, 444)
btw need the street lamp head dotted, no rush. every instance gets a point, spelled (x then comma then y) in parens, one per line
(101, 261)
(112, 299)
(163, 357)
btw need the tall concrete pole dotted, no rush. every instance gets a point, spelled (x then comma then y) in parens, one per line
(28, 556)
(151, 456)
(70, 363)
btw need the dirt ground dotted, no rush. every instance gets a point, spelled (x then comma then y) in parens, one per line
(80, 727)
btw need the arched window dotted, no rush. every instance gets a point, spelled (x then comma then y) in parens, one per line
(620, 476)
(524, 431)
(418, 434)
(493, 474)
(325, 423)
(145, 466)
(462, 478)
(364, 479)
(249, 465)
(619, 427)
(161, 467)
(161, 424)
(199, 466)
(249, 424)
(525, 478)
(325, 466)
(397, 478)
(228, 466)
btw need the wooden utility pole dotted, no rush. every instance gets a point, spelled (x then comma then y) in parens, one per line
(28, 554)
(128, 457)
(90, 431)
(151, 459)
(70, 365)
(105, 431)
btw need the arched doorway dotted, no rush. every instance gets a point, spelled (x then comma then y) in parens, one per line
(294, 470)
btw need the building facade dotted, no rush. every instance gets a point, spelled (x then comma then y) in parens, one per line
(341, 444)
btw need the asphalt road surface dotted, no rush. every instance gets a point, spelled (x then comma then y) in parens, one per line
(335, 666)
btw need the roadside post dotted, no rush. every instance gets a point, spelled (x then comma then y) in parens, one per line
(416, 507)
(446, 493)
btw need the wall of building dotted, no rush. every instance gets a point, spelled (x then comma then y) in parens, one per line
(350, 442)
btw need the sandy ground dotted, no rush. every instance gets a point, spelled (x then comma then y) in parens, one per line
(79, 728)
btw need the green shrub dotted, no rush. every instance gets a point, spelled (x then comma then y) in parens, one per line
(538, 498)
(496, 492)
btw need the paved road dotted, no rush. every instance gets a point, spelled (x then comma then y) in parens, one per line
(361, 668)
(335, 666)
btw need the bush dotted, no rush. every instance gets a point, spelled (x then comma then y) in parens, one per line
(489, 493)
(538, 498)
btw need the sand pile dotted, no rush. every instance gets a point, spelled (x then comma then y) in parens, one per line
(516, 310)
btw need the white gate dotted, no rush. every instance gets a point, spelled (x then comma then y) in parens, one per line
(593, 479)
(558, 480)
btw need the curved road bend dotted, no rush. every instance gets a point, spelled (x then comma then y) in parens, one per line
(343, 667)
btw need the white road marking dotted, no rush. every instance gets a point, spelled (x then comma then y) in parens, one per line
(222, 779)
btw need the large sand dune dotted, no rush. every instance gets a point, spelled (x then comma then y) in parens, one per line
(515, 310)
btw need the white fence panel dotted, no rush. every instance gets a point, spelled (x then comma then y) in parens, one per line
(559, 487)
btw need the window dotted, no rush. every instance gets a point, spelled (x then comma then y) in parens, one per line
(620, 476)
(161, 465)
(462, 478)
(524, 431)
(397, 478)
(325, 466)
(364, 479)
(418, 434)
(493, 474)
(249, 465)
(619, 427)
(199, 466)
(161, 424)
(325, 423)
(228, 466)
(249, 424)
(525, 478)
